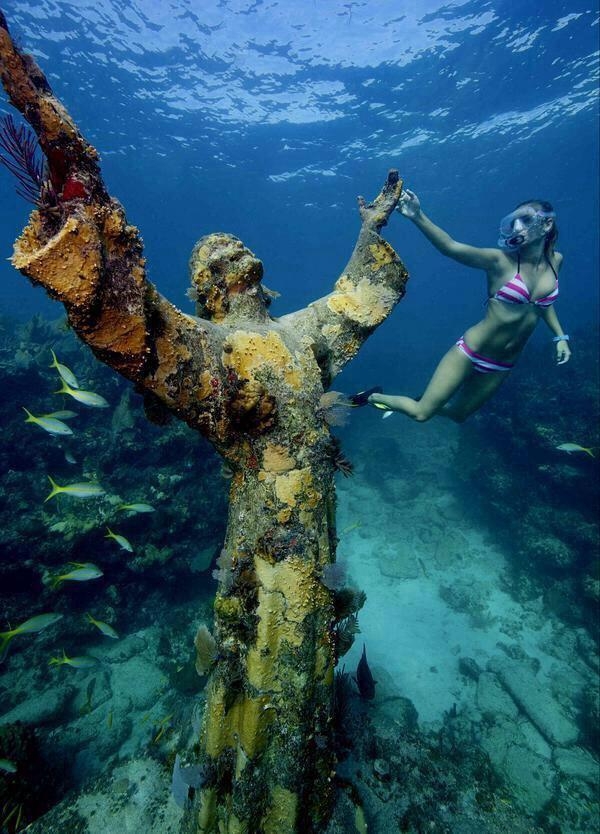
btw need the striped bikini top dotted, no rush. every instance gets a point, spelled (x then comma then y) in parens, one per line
(515, 291)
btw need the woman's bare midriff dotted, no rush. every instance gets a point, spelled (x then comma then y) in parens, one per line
(504, 332)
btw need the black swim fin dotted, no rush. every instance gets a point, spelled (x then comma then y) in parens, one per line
(362, 397)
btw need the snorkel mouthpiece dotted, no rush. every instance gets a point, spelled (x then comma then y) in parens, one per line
(512, 242)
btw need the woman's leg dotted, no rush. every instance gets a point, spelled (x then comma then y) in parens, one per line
(449, 375)
(475, 392)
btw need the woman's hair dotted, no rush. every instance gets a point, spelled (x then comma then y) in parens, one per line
(552, 235)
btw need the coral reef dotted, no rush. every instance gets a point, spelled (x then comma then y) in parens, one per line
(130, 458)
(397, 776)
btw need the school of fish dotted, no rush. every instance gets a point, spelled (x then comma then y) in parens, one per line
(54, 423)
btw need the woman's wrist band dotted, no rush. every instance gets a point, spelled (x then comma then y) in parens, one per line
(563, 338)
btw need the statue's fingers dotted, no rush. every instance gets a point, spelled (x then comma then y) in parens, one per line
(392, 179)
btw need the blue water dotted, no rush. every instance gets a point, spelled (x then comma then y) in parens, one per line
(267, 119)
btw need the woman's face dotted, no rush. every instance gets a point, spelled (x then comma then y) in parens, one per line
(527, 224)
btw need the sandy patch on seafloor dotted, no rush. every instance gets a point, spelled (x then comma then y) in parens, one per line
(396, 557)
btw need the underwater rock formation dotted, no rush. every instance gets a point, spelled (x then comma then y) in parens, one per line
(542, 502)
(252, 386)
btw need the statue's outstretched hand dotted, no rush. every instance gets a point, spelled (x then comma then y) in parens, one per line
(409, 204)
(377, 213)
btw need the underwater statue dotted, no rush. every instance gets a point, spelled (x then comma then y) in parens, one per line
(252, 385)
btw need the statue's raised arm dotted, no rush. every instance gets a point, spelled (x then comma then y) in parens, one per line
(79, 246)
(364, 295)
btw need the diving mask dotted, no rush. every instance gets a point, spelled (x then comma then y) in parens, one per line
(521, 225)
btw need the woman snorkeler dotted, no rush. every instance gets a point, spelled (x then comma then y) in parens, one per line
(522, 278)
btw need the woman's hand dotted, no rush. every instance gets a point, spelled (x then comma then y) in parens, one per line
(409, 204)
(563, 352)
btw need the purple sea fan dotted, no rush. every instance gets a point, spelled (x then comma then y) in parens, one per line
(334, 576)
(206, 650)
(184, 778)
(224, 571)
(20, 156)
(334, 408)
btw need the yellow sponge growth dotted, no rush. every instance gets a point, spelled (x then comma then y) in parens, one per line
(61, 263)
(365, 303)
(244, 724)
(281, 816)
(382, 254)
(288, 593)
(246, 352)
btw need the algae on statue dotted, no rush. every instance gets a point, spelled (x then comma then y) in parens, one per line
(251, 384)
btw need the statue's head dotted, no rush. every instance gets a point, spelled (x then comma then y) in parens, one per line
(225, 274)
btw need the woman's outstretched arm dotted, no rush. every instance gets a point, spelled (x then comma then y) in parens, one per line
(363, 296)
(474, 256)
(79, 246)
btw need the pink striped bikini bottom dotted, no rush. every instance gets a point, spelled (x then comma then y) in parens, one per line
(482, 363)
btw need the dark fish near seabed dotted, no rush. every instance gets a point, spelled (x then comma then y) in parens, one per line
(364, 678)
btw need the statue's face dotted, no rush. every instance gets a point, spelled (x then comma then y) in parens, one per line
(222, 267)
